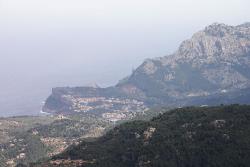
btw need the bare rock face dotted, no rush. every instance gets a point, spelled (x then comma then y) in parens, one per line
(214, 60)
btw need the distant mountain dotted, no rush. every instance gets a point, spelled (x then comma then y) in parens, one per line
(193, 136)
(215, 60)
(213, 64)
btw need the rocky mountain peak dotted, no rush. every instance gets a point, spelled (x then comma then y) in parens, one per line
(216, 43)
(215, 59)
(218, 29)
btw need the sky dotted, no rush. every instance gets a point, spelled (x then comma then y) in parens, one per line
(50, 43)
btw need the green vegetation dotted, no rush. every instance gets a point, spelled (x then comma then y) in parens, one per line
(187, 137)
(28, 139)
(74, 126)
(26, 145)
(17, 144)
(14, 125)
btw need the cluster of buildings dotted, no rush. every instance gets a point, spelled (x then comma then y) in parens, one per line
(113, 117)
(112, 109)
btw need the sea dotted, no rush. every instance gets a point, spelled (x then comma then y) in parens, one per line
(26, 96)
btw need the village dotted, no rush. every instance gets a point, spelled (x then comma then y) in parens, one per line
(111, 109)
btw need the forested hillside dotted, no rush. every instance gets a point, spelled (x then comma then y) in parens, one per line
(192, 136)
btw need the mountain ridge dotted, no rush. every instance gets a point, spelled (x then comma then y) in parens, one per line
(205, 55)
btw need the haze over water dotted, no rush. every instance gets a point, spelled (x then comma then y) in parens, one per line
(45, 44)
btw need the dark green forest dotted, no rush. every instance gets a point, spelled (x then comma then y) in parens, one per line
(184, 137)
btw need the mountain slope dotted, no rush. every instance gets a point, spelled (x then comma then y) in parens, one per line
(214, 63)
(216, 59)
(193, 136)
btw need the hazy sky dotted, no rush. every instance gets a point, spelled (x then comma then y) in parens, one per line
(51, 36)
(47, 43)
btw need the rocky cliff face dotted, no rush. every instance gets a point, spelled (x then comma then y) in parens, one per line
(214, 60)
(213, 64)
